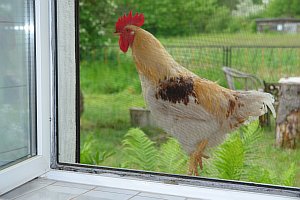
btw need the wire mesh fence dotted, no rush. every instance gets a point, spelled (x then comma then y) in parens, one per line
(270, 63)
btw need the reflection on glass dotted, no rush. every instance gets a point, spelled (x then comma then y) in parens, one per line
(17, 93)
(202, 36)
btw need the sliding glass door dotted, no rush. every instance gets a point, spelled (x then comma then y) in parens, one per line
(17, 81)
(25, 91)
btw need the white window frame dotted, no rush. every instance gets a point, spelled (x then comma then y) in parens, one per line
(35, 166)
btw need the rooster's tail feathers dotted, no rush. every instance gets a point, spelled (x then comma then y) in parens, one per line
(256, 103)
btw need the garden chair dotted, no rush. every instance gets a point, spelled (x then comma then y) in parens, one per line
(247, 81)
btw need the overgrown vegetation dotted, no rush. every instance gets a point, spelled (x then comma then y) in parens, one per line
(235, 159)
(95, 19)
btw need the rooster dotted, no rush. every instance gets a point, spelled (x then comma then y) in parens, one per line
(196, 111)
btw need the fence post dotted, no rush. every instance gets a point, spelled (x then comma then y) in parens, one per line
(246, 59)
(227, 56)
(224, 56)
(280, 57)
(263, 57)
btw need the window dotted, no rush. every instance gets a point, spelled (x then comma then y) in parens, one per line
(104, 138)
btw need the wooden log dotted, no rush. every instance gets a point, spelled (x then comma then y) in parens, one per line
(288, 116)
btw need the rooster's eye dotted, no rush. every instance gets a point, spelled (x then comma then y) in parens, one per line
(129, 31)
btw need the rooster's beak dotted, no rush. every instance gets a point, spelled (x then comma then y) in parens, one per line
(117, 34)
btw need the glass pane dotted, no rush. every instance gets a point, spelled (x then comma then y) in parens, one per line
(142, 110)
(17, 81)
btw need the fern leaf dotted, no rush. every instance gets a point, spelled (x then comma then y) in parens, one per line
(89, 153)
(250, 136)
(258, 174)
(229, 159)
(172, 158)
(139, 150)
(99, 157)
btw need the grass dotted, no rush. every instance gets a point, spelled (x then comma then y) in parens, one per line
(97, 77)
(106, 119)
(258, 54)
(237, 39)
(111, 86)
(277, 159)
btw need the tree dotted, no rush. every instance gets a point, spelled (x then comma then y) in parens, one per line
(219, 21)
(231, 4)
(247, 8)
(96, 20)
(287, 8)
(172, 17)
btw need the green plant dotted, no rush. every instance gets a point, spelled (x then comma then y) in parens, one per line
(235, 159)
(287, 8)
(95, 23)
(141, 153)
(256, 173)
(228, 159)
(172, 159)
(289, 176)
(88, 154)
(139, 150)
(232, 160)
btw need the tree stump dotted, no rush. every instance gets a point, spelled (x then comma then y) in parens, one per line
(141, 117)
(288, 116)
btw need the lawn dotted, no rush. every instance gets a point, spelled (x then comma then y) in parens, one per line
(111, 86)
(238, 39)
(268, 56)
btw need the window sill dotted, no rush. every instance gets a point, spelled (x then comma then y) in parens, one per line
(157, 187)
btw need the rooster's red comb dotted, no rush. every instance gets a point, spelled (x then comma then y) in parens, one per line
(137, 20)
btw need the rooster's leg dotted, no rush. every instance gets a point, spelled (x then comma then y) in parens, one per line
(196, 158)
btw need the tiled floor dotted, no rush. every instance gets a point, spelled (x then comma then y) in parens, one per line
(40, 189)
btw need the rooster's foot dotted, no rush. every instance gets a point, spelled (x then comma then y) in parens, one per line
(196, 158)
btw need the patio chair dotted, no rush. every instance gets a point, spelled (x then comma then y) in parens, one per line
(247, 81)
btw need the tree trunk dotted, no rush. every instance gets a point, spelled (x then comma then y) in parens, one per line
(288, 116)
